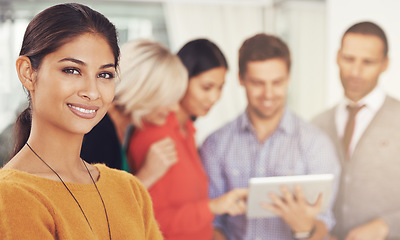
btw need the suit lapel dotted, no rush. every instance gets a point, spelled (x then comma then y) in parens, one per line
(370, 126)
(335, 137)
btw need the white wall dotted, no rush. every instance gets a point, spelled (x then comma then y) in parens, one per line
(12, 95)
(306, 38)
(228, 25)
(300, 23)
(312, 30)
(344, 13)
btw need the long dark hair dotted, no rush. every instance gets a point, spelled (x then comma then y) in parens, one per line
(201, 55)
(47, 32)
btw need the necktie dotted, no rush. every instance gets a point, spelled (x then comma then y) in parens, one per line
(348, 131)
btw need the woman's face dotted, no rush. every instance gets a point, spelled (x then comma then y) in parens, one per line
(158, 116)
(74, 85)
(203, 92)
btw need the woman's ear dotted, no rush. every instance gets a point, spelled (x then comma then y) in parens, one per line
(26, 73)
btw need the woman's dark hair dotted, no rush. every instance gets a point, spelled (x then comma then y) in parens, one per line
(201, 55)
(47, 32)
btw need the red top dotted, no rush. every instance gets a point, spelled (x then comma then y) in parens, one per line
(180, 197)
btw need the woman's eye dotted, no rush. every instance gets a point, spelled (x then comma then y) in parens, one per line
(207, 88)
(106, 75)
(71, 71)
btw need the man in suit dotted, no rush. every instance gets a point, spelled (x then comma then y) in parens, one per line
(365, 128)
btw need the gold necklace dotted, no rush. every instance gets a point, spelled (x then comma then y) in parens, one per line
(101, 198)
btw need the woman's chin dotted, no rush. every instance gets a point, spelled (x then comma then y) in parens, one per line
(158, 122)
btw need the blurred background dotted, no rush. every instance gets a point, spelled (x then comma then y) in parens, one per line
(311, 28)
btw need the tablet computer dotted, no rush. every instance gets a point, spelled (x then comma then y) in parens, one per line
(312, 186)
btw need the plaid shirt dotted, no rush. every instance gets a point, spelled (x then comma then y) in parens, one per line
(233, 154)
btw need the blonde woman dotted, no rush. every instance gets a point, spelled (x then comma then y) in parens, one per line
(180, 198)
(152, 80)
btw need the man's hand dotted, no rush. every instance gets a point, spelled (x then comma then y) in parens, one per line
(232, 202)
(375, 230)
(294, 209)
(160, 157)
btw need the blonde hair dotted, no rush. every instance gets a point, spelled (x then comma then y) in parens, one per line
(150, 76)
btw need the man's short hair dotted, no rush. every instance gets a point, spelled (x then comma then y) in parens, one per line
(262, 47)
(369, 28)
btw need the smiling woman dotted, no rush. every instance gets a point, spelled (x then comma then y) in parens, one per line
(67, 65)
(78, 77)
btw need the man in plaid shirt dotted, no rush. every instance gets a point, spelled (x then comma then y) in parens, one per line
(269, 140)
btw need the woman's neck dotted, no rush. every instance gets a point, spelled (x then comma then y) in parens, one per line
(183, 117)
(121, 122)
(61, 149)
(58, 149)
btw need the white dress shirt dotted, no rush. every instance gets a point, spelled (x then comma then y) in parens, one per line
(373, 102)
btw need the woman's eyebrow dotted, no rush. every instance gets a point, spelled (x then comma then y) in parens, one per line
(77, 61)
(73, 60)
(108, 66)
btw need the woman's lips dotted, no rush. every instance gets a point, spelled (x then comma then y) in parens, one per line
(83, 111)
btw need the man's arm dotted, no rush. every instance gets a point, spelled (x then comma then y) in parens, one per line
(321, 158)
(211, 162)
(320, 230)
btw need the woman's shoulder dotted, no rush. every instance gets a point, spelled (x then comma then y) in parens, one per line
(12, 177)
(170, 124)
(18, 180)
(112, 173)
(148, 134)
(18, 186)
(22, 204)
(117, 181)
(111, 176)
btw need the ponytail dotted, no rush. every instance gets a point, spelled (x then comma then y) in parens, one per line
(22, 129)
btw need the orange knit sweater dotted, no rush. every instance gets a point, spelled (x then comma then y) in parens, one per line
(33, 207)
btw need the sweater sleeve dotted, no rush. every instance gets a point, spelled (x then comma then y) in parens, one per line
(151, 226)
(24, 214)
